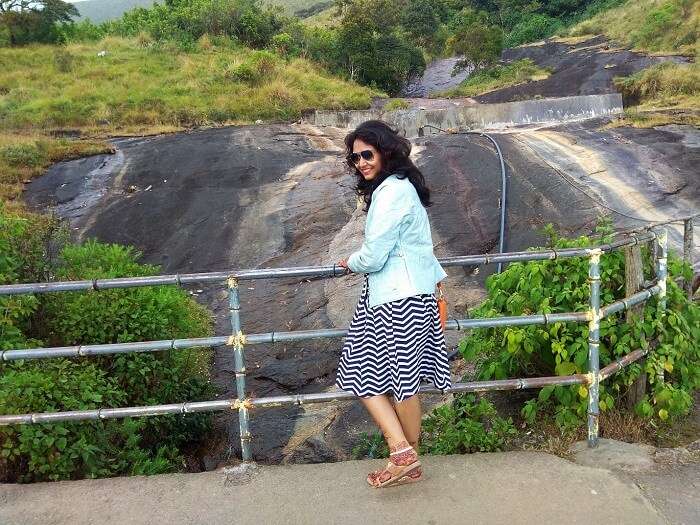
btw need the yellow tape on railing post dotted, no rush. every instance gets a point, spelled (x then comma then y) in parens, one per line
(593, 346)
(237, 340)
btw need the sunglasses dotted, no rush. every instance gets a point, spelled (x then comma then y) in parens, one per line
(367, 154)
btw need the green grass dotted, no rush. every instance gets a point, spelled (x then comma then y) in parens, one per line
(143, 88)
(662, 94)
(138, 89)
(663, 85)
(661, 26)
(497, 77)
(396, 103)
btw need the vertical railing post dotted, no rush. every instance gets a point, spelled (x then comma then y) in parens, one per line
(593, 347)
(661, 264)
(237, 341)
(661, 274)
(688, 253)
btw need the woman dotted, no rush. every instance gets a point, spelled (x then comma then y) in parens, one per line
(395, 339)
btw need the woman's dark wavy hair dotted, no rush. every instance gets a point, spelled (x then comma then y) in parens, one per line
(395, 151)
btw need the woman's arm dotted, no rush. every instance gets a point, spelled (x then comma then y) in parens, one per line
(389, 208)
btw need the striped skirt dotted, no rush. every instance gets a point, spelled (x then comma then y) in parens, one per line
(390, 348)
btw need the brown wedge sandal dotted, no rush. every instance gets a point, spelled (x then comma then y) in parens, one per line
(415, 475)
(403, 467)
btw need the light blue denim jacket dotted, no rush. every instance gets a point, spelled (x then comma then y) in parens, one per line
(397, 253)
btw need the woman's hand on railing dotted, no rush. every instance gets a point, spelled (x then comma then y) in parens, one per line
(344, 264)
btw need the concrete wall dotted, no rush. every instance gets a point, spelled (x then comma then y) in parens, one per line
(481, 116)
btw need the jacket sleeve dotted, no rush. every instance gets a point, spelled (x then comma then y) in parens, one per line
(387, 211)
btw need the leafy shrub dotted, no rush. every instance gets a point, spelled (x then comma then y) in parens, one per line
(477, 40)
(243, 73)
(28, 247)
(533, 28)
(264, 62)
(103, 448)
(17, 310)
(60, 451)
(186, 21)
(468, 424)
(397, 103)
(83, 31)
(371, 446)
(258, 66)
(284, 44)
(111, 316)
(561, 348)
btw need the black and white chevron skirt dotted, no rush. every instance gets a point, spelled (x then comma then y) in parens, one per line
(390, 348)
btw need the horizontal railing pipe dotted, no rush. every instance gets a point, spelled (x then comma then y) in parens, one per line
(269, 337)
(293, 399)
(303, 271)
(621, 363)
(628, 302)
(112, 348)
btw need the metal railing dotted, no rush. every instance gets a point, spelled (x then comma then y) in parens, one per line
(238, 339)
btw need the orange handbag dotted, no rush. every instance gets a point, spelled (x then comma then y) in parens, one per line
(442, 306)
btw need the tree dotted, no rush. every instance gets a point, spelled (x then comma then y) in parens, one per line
(372, 49)
(479, 42)
(26, 21)
(421, 19)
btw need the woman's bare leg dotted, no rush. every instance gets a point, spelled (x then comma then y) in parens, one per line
(384, 415)
(409, 413)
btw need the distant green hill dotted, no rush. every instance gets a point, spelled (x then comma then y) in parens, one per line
(101, 10)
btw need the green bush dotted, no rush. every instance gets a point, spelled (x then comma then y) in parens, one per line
(103, 448)
(673, 336)
(397, 103)
(248, 21)
(257, 66)
(284, 44)
(60, 451)
(27, 246)
(73, 450)
(468, 424)
(532, 28)
(111, 316)
(83, 31)
(16, 310)
(371, 446)
(30, 155)
(475, 38)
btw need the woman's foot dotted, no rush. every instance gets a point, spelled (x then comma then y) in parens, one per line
(403, 467)
(416, 474)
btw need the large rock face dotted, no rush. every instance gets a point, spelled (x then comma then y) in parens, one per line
(279, 196)
(579, 67)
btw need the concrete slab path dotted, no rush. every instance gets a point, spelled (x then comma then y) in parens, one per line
(498, 488)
